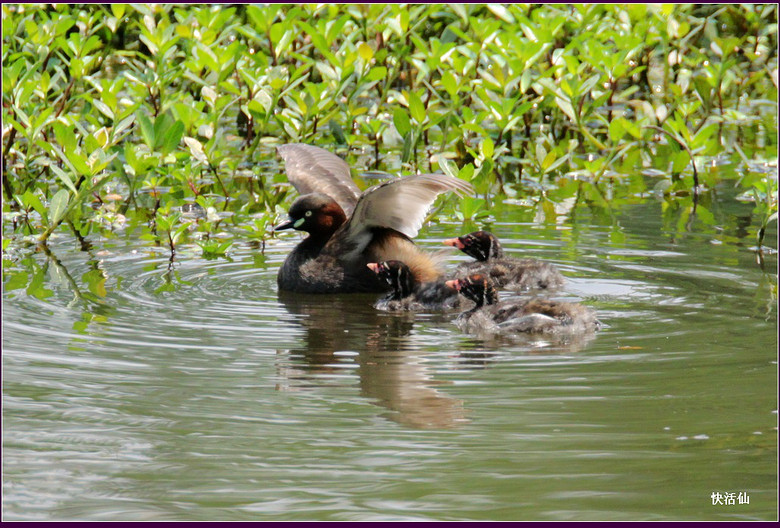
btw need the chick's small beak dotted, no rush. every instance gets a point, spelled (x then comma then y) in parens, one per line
(287, 224)
(454, 242)
(454, 284)
(373, 266)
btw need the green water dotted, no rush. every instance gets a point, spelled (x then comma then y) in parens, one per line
(131, 393)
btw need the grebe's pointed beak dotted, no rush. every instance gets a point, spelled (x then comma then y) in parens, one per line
(453, 284)
(454, 242)
(287, 224)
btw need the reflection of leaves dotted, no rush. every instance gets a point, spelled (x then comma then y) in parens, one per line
(566, 189)
(472, 208)
(548, 208)
(617, 236)
(16, 280)
(82, 326)
(705, 215)
(172, 281)
(36, 287)
(96, 282)
(166, 287)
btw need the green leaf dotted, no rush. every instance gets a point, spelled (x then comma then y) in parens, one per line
(487, 147)
(162, 124)
(632, 128)
(58, 206)
(95, 281)
(548, 160)
(560, 161)
(566, 108)
(416, 108)
(501, 12)
(703, 136)
(408, 148)
(588, 84)
(376, 73)
(365, 51)
(567, 88)
(31, 200)
(449, 83)
(147, 129)
(616, 130)
(63, 176)
(64, 135)
(681, 160)
(79, 162)
(103, 108)
(122, 125)
(118, 10)
(448, 167)
(172, 138)
(705, 215)
(175, 235)
(91, 143)
(36, 286)
(541, 153)
(466, 172)
(401, 121)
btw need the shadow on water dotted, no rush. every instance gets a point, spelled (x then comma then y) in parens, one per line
(391, 362)
(391, 368)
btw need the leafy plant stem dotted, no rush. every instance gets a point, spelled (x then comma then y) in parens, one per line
(688, 150)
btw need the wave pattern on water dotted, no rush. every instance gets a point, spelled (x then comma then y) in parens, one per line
(200, 392)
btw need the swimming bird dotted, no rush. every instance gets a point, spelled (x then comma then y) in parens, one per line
(513, 316)
(407, 294)
(505, 272)
(349, 229)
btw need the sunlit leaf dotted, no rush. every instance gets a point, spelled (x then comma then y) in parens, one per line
(416, 108)
(31, 201)
(487, 147)
(401, 121)
(58, 206)
(377, 73)
(365, 51)
(196, 149)
(548, 160)
(64, 177)
(79, 162)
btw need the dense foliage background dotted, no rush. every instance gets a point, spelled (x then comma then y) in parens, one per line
(163, 118)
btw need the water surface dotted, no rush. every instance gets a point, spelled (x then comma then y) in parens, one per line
(132, 391)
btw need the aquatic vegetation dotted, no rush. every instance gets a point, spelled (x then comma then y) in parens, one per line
(117, 116)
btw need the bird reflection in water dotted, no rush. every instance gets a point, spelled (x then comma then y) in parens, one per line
(392, 372)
